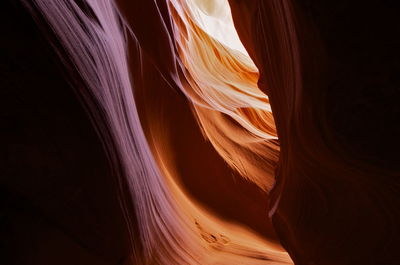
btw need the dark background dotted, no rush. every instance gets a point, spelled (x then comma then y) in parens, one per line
(58, 202)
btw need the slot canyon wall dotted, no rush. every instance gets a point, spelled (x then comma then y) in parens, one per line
(199, 132)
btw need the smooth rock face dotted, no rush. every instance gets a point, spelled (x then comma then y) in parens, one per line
(333, 92)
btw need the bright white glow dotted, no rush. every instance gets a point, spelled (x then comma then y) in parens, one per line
(215, 18)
